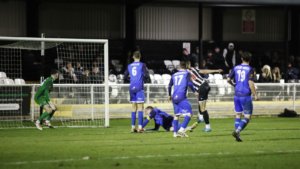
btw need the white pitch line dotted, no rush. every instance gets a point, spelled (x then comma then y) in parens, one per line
(41, 161)
(147, 157)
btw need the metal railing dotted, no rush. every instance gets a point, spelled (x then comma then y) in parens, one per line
(88, 101)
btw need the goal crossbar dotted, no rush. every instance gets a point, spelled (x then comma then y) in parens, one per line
(7, 38)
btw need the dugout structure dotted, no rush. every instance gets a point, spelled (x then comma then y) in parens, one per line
(81, 95)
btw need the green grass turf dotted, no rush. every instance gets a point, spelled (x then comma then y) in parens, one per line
(268, 143)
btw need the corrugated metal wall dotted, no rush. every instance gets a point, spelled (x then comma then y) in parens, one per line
(167, 23)
(206, 24)
(12, 18)
(82, 20)
(270, 25)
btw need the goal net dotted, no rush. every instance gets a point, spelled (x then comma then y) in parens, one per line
(81, 93)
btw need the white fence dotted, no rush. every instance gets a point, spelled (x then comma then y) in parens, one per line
(86, 102)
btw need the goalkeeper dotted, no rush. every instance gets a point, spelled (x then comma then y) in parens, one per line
(42, 98)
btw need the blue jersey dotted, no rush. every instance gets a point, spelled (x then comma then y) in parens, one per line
(180, 80)
(137, 72)
(158, 116)
(241, 75)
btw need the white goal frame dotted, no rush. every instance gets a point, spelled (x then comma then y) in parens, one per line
(106, 61)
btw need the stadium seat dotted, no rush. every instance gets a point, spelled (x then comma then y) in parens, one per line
(120, 78)
(152, 78)
(20, 81)
(168, 63)
(3, 75)
(166, 79)
(221, 86)
(8, 81)
(218, 77)
(158, 79)
(112, 78)
(115, 62)
(211, 78)
(151, 71)
(176, 63)
(114, 89)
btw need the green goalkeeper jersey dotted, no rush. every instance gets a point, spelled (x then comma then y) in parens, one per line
(42, 94)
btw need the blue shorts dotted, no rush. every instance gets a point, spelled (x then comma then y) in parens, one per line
(243, 104)
(137, 97)
(182, 108)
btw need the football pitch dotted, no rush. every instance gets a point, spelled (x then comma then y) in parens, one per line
(267, 143)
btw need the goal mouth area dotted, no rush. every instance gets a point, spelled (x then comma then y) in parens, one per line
(79, 61)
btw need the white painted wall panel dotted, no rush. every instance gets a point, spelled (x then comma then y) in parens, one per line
(82, 20)
(167, 23)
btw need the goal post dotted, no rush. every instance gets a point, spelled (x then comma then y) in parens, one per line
(91, 54)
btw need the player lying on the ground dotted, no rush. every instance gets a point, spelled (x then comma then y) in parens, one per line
(241, 77)
(42, 98)
(202, 88)
(160, 118)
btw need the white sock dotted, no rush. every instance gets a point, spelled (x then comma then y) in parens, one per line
(200, 117)
(140, 126)
(181, 129)
(207, 126)
(133, 127)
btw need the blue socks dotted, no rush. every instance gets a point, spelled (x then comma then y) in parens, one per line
(140, 118)
(133, 118)
(237, 122)
(146, 121)
(185, 121)
(175, 125)
(243, 124)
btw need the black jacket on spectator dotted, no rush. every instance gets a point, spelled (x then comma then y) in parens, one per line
(292, 74)
(219, 61)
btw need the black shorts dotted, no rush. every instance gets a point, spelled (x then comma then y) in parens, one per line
(167, 123)
(203, 91)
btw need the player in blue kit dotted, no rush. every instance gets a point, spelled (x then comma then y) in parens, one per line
(137, 72)
(160, 118)
(182, 107)
(241, 77)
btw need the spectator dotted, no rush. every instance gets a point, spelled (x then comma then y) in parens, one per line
(230, 56)
(209, 60)
(69, 73)
(218, 60)
(85, 78)
(276, 74)
(203, 66)
(255, 75)
(195, 57)
(78, 70)
(96, 74)
(292, 73)
(185, 55)
(266, 75)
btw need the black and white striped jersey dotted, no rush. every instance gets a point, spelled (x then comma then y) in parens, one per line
(196, 78)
